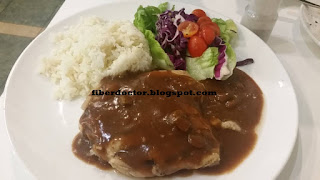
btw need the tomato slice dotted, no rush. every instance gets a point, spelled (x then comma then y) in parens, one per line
(199, 13)
(188, 28)
(213, 25)
(208, 34)
(196, 46)
(206, 23)
(203, 19)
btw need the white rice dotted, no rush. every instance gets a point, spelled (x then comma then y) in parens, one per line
(91, 50)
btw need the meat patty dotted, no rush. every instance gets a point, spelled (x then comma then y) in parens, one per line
(150, 135)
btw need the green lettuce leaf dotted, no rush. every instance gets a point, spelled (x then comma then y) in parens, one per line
(232, 61)
(163, 7)
(228, 29)
(202, 67)
(146, 18)
(160, 59)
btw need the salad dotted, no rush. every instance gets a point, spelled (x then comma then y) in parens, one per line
(192, 42)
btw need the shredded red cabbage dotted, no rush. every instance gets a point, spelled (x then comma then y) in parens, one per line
(172, 40)
(245, 62)
(220, 44)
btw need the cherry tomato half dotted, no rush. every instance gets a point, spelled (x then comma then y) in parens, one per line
(208, 34)
(188, 28)
(213, 25)
(196, 46)
(203, 19)
(199, 13)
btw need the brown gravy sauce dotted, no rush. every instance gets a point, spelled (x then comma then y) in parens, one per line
(81, 148)
(238, 99)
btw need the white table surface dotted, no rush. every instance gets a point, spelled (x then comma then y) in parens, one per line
(296, 51)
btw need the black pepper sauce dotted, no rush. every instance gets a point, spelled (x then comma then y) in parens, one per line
(81, 148)
(171, 132)
(238, 99)
(150, 131)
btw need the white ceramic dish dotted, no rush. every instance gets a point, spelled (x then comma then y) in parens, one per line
(41, 129)
(310, 20)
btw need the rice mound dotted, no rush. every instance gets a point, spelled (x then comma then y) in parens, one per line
(95, 48)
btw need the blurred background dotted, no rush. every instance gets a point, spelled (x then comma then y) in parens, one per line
(20, 22)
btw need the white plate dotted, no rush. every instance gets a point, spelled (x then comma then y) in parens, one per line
(310, 20)
(42, 129)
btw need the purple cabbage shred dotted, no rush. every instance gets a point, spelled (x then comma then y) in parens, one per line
(172, 40)
(220, 44)
(245, 62)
